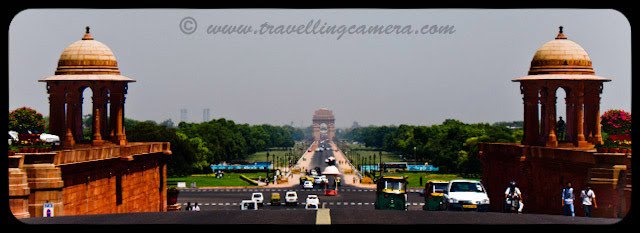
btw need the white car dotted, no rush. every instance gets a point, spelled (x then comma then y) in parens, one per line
(466, 195)
(291, 198)
(258, 198)
(307, 185)
(248, 205)
(312, 199)
(314, 173)
(321, 179)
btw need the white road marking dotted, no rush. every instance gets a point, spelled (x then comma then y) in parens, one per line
(206, 203)
(338, 203)
(235, 203)
(366, 203)
(415, 203)
(353, 203)
(226, 203)
(359, 203)
(421, 203)
(323, 217)
(330, 203)
(213, 203)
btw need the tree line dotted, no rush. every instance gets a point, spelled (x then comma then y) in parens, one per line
(452, 145)
(197, 145)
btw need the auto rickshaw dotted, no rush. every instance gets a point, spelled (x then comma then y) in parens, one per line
(433, 195)
(391, 193)
(275, 199)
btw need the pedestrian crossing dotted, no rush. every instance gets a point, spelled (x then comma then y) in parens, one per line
(286, 190)
(299, 203)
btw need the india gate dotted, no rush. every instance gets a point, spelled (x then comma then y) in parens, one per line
(103, 175)
(323, 125)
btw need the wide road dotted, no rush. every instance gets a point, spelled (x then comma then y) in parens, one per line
(229, 199)
(310, 217)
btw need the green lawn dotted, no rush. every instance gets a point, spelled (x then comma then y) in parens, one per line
(262, 155)
(230, 179)
(414, 177)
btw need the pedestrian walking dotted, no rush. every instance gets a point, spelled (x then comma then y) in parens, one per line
(195, 207)
(567, 200)
(588, 200)
(188, 206)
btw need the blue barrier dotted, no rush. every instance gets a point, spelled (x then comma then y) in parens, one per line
(426, 168)
(239, 167)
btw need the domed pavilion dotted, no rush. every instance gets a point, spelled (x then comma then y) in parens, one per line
(561, 63)
(87, 63)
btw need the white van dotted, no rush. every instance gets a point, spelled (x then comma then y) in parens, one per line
(249, 205)
(258, 198)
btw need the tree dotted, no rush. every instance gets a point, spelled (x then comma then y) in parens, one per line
(24, 119)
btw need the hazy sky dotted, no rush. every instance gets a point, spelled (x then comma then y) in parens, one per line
(278, 79)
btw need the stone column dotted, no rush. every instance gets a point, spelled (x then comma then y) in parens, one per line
(77, 114)
(552, 140)
(45, 182)
(71, 99)
(18, 187)
(580, 138)
(597, 137)
(543, 131)
(530, 113)
(316, 131)
(98, 103)
(570, 123)
(332, 131)
(592, 112)
(56, 109)
(117, 103)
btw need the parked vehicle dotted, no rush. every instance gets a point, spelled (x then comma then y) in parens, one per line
(275, 199)
(249, 205)
(466, 195)
(291, 198)
(258, 198)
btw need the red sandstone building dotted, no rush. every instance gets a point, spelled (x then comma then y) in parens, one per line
(542, 164)
(106, 174)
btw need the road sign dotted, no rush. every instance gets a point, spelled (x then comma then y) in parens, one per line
(47, 209)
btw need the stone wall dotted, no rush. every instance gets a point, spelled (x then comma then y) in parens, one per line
(90, 180)
(113, 186)
(542, 172)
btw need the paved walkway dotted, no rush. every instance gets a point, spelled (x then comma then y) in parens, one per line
(349, 178)
(304, 163)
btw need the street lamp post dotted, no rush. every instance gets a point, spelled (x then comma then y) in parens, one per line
(415, 154)
(267, 165)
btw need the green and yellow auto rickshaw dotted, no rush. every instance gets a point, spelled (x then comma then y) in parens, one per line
(275, 199)
(391, 193)
(434, 194)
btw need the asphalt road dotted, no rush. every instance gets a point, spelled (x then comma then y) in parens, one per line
(308, 217)
(228, 199)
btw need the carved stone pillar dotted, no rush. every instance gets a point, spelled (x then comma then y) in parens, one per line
(71, 100)
(530, 113)
(98, 103)
(543, 131)
(56, 109)
(580, 138)
(552, 140)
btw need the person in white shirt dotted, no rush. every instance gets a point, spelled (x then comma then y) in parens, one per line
(195, 207)
(588, 201)
(515, 192)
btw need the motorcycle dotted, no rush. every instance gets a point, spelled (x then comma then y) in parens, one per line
(512, 203)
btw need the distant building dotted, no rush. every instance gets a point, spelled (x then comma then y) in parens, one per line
(183, 115)
(206, 114)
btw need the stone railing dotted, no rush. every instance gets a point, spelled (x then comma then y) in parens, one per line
(80, 155)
